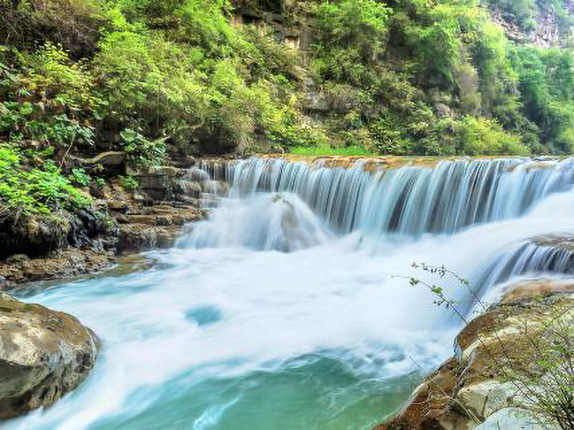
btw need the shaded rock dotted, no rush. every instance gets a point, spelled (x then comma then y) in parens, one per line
(44, 354)
(32, 235)
(442, 110)
(110, 159)
(185, 162)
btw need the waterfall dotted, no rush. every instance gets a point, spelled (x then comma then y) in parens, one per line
(526, 258)
(265, 222)
(408, 201)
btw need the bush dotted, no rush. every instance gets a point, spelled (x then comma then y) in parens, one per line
(35, 191)
(129, 183)
(141, 152)
(350, 35)
(479, 136)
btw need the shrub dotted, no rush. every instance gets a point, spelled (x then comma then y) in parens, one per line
(141, 151)
(79, 177)
(479, 136)
(38, 191)
(129, 183)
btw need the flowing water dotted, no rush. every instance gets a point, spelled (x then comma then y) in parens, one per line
(288, 307)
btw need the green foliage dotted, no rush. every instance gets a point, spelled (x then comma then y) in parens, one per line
(100, 182)
(18, 122)
(328, 150)
(129, 183)
(402, 77)
(548, 386)
(35, 190)
(351, 34)
(45, 98)
(480, 136)
(79, 177)
(53, 76)
(546, 82)
(141, 151)
(526, 12)
(543, 372)
(523, 11)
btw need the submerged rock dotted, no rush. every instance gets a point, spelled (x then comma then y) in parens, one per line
(44, 354)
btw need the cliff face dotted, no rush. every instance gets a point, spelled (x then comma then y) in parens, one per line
(543, 23)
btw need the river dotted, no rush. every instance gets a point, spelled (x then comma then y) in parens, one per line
(288, 308)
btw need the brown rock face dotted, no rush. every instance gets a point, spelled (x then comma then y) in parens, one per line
(155, 227)
(44, 354)
(61, 264)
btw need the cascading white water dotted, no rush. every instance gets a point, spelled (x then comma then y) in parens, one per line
(277, 311)
(411, 200)
(526, 258)
(265, 222)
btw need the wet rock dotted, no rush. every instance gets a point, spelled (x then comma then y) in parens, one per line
(525, 290)
(141, 237)
(429, 402)
(32, 235)
(156, 227)
(44, 354)
(565, 243)
(59, 264)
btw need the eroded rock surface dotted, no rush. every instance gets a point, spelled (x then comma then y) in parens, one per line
(60, 264)
(44, 354)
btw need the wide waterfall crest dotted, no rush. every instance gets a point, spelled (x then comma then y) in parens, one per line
(408, 201)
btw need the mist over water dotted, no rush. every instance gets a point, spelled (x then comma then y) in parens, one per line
(284, 308)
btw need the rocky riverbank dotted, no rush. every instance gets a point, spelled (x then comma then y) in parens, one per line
(45, 354)
(473, 389)
(119, 221)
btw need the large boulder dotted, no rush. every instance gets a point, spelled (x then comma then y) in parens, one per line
(44, 354)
